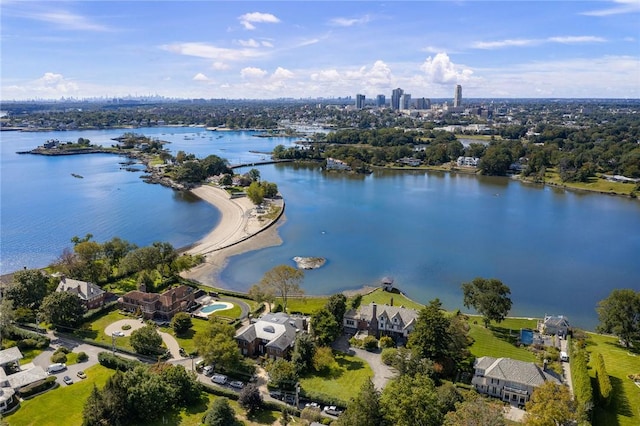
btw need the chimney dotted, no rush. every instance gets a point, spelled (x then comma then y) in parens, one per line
(373, 324)
(391, 302)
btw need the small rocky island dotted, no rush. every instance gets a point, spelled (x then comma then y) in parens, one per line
(309, 262)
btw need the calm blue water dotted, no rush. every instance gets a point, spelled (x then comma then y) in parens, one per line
(559, 252)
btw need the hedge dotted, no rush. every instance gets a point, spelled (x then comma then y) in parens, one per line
(581, 380)
(603, 381)
(116, 362)
(38, 387)
(18, 334)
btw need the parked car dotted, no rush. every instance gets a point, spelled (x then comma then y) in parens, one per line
(118, 333)
(207, 370)
(236, 384)
(220, 379)
(67, 380)
(57, 367)
(275, 394)
(332, 410)
(81, 374)
(183, 352)
(312, 405)
(289, 399)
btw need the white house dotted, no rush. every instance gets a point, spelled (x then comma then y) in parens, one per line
(335, 164)
(468, 161)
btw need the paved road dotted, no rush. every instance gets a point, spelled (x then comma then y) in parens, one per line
(381, 372)
(244, 306)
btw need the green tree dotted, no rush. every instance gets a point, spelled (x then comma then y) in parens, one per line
(93, 410)
(148, 395)
(146, 340)
(337, 305)
(324, 326)
(282, 281)
(166, 256)
(254, 175)
(217, 344)
(496, 160)
(490, 297)
(551, 405)
(323, 359)
(184, 385)
(303, 351)
(282, 374)
(62, 309)
(7, 315)
(226, 180)
(144, 258)
(620, 314)
(411, 400)
(115, 249)
(28, 288)
(255, 192)
(475, 411)
(365, 409)
(181, 322)
(270, 189)
(430, 337)
(250, 398)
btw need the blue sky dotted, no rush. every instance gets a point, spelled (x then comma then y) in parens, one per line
(273, 49)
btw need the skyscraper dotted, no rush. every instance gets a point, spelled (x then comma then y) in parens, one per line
(380, 101)
(405, 101)
(395, 98)
(360, 101)
(457, 97)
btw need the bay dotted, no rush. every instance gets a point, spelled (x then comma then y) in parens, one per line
(559, 251)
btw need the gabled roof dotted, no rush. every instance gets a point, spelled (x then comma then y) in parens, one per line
(141, 296)
(405, 316)
(9, 355)
(26, 377)
(556, 321)
(84, 290)
(511, 370)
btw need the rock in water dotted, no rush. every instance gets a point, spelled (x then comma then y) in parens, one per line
(309, 262)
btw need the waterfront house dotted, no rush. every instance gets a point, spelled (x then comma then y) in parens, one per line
(335, 164)
(554, 325)
(91, 295)
(396, 322)
(273, 335)
(508, 379)
(468, 161)
(13, 376)
(158, 306)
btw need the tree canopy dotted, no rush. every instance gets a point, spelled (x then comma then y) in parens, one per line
(217, 345)
(551, 404)
(364, 409)
(62, 309)
(619, 314)
(282, 281)
(490, 297)
(28, 288)
(146, 340)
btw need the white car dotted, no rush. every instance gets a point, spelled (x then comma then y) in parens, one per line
(118, 333)
(57, 367)
(236, 384)
(220, 379)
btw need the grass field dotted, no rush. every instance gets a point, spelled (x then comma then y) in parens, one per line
(382, 297)
(594, 184)
(186, 340)
(620, 362)
(95, 330)
(498, 340)
(306, 305)
(63, 406)
(341, 381)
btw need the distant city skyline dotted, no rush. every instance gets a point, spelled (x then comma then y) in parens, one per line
(313, 49)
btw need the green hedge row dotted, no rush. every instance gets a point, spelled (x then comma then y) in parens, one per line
(26, 339)
(38, 387)
(603, 380)
(581, 381)
(116, 362)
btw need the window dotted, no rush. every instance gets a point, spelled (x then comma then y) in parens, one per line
(350, 322)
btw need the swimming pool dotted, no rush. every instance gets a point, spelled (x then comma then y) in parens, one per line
(219, 306)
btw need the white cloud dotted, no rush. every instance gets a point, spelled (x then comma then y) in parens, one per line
(504, 43)
(219, 66)
(248, 19)
(249, 43)
(326, 75)
(207, 51)
(266, 43)
(576, 39)
(282, 74)
(68, 21)
(349, 22)
(441, 70)
(252, 73)
(499, 44)
(200, 77)
(622, 6)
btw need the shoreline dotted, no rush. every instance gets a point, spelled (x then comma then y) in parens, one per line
(240, 230)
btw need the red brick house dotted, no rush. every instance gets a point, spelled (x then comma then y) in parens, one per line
(162, 306)
(91, 295)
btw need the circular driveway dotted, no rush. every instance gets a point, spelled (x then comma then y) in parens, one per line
(117, 326)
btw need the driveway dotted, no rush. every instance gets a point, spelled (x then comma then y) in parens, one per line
(381, 372)
(170, 341)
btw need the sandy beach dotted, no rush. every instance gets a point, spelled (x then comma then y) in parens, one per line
(241, 229)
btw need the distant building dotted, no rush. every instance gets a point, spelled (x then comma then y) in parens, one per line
(273, 335)
(381, 101)
(508, 379)
(360, 101)
(467, 161)
(423, 103)
(91, 295)
(457, 97)
(554, 325)
(334, 164)
(395, 98)
(405, 101)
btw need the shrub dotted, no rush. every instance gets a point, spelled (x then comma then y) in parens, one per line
(27, 344)
(126, 327)
(115, 362)
(370, 343)
(37, 387)
(387, 342)
(82, 356)
(388, 355)
(18, 334)
(581, 381)
(311, 414)
(603, 380)
(356, 343)
(63, 350)
(58, 357)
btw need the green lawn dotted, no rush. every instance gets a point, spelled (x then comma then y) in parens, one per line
(95, 330)
(382, 297)
(498, 340)
(186, 340)
(625, 406)
(342, 381)
(61, 406)
(306, 305)
(594, 184)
